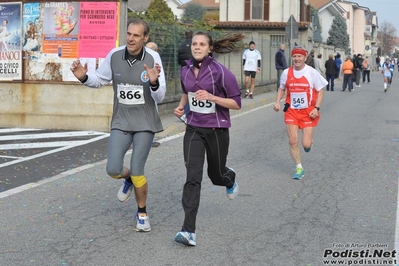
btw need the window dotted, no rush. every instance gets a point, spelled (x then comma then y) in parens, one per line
(276, 40)
(256, 9)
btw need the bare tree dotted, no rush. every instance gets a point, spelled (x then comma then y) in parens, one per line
(386, 37)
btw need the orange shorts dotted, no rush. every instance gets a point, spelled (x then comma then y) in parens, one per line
(301, 117)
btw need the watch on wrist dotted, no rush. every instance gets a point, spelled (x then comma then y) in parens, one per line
(318, 108)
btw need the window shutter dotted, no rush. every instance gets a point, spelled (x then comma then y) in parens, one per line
(247, 10)
(266, 10)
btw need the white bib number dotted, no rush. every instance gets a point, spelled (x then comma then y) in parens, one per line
(130, 94)
(203, 107)
(299, 100)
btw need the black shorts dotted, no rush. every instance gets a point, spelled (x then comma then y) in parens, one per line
(250, 73)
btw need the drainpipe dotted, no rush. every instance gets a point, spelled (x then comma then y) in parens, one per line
(227, 10)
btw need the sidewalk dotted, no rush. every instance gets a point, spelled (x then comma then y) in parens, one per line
(173, 125)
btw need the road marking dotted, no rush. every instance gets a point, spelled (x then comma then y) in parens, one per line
(63, 145)
(51, 135)
(88, 166)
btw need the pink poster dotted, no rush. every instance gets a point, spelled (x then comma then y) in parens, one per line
(98, 28)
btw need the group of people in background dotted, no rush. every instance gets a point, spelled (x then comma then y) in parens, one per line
(354, 69)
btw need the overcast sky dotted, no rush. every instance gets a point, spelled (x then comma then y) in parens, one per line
(387, 10)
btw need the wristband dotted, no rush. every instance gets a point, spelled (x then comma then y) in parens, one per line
(84, 79)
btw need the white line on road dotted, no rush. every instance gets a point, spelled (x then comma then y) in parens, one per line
(71, 145)
(52, 135)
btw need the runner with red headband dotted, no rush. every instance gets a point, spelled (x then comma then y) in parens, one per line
(304, 87)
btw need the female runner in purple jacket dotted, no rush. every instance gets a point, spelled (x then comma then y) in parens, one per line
(211, 90)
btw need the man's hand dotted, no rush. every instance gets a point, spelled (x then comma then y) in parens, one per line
(276, 107)
(79, 70)
(153, 73)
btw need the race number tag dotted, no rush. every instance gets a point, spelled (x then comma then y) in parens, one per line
(251, 62)
(299, 100)
(203, 107)
(130, 94)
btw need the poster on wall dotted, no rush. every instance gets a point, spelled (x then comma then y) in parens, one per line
(32, 31)
(98, 24)
(60, 29)
(10, 42)
(56, 33)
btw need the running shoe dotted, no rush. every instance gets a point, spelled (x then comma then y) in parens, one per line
(246, 95)
(233, 191)
(251, 96)
(143, 223)
(155, 144)
(186, 238)
(125, 191)
(299, 173)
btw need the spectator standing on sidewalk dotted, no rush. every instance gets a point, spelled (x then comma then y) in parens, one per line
(184, 54)
(358, 66)
(318, 65)
(136, 71)
(366, 69)
(251, 61)
(338, 64)
(330, 72)
(303, 87)
(347, 69)
(310, 59)
(280, 62)
(211, 90)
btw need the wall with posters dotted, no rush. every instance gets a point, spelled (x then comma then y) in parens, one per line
(38, 42)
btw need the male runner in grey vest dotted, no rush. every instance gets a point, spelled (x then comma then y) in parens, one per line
(138, 83)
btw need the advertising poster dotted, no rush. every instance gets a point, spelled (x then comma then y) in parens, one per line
(10, 41)
(32, 30)
(60, 29)
(98, 29)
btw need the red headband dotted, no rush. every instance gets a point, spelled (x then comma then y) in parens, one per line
(299, 51)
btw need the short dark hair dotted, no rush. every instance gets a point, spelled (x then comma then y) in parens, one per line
(188, 34)
(251, 42)
(139, 21)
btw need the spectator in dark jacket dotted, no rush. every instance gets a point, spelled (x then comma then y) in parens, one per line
(184, 50)
(358, 66)
(310, 59)
(330, 72)
(183, 54)
(280, 62)
(338, 63)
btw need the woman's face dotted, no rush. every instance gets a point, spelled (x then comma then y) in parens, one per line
(200, 47)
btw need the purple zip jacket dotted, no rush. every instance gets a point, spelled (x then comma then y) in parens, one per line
(217, 80)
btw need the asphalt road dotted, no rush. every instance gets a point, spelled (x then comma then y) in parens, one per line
(346, 203)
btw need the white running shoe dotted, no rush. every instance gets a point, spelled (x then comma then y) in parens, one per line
(186, 238)
(143, 223)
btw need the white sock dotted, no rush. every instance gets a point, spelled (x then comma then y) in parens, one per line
(298, 166)
(247, 91)
(385, 85)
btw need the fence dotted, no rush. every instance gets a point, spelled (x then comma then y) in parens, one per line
(168, 39)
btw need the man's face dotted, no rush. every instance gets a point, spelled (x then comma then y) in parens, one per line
(298, 60)
(135, 38)
(252, 46)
